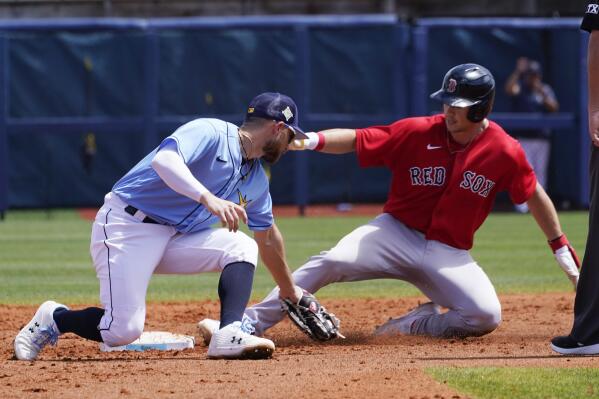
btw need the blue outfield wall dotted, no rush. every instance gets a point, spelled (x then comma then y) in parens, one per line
(82, 100)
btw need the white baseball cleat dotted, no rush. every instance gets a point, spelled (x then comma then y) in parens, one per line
(207, 328)
(38, 333)
(403, 324)
(232, 342)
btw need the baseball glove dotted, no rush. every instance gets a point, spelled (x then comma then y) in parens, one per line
(312, 318)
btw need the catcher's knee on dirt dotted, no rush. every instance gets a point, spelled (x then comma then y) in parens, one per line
(124, 327)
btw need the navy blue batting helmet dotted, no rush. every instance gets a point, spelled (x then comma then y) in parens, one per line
(468, 85)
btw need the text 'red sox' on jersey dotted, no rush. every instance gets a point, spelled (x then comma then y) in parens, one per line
(439, 188)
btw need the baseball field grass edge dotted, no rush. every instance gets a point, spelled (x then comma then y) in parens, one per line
(520, 382)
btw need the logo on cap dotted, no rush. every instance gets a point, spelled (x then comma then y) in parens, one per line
(250, 110)
(451, 85)
(287, 113)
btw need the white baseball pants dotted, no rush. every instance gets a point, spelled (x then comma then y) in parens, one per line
(386, 248)
(126, 252)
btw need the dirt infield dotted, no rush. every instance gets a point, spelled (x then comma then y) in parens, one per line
(358, 367)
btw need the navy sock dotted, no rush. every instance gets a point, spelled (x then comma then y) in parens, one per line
(81, 322)
(234, 289)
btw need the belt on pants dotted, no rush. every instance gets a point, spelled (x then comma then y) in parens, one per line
(131, 210)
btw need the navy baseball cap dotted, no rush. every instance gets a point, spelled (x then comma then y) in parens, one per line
(278, 107)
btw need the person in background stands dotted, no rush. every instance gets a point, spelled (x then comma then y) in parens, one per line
(530, 94)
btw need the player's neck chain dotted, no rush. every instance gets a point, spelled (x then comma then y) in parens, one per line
(245, 160)
(245, 153)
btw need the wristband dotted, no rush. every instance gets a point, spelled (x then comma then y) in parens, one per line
(558, 242)
(315, 141)
(321, 140)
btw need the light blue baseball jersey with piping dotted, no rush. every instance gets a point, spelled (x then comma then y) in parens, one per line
(211, 150)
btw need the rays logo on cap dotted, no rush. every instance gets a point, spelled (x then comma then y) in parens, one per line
(287, 113)
(451, 85)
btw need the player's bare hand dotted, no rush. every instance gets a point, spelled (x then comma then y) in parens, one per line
(297, 145)
(305, 144)
(294, 293)
(228, 212)
(594, 127)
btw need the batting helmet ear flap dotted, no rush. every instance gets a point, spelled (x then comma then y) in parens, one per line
(478, 112)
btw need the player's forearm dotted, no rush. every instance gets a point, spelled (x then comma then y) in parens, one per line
(331, 141)
(339, 141)
(272, 251)
(171, 168)
(543, 210)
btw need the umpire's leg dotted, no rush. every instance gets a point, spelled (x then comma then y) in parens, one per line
(586, 306)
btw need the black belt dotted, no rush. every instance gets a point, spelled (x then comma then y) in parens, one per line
(131, 210)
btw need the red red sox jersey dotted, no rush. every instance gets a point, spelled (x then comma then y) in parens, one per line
(438, 187)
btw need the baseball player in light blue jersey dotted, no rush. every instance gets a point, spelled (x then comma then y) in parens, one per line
(158, 218)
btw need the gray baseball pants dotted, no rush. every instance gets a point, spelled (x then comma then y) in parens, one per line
(386, 248)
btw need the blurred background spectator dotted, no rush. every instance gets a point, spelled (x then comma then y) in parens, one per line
(529, 93)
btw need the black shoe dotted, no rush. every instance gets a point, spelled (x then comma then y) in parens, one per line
(566, 345)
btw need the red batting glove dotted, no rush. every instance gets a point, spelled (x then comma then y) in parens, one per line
(566, 258)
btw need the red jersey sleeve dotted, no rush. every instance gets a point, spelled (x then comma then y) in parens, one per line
(524, 180)
(371, 145)
(376, 145)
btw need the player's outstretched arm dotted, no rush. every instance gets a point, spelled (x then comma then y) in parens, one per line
(302, 307)
(544, 212)
(332, 141)
(272, 251)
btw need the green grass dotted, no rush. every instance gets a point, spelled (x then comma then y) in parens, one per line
(46, 255)
(518, 382)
